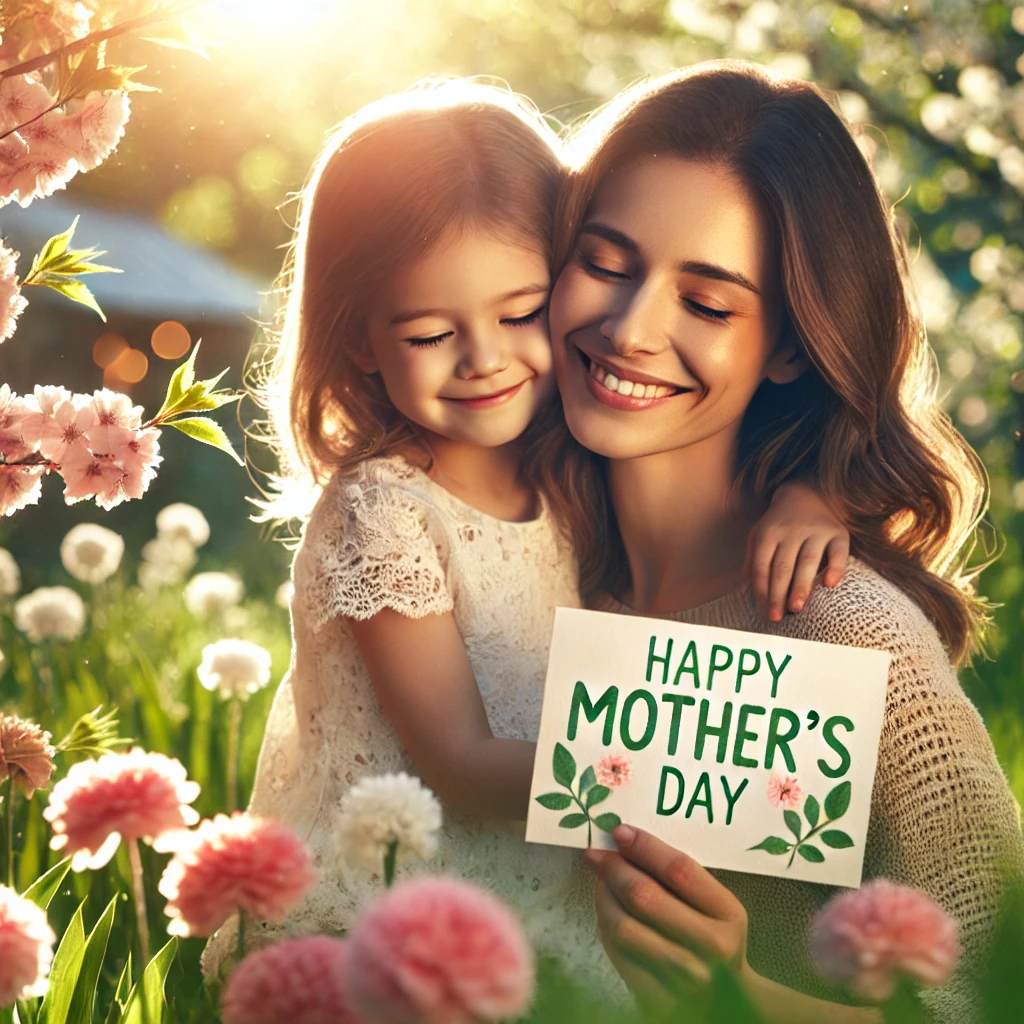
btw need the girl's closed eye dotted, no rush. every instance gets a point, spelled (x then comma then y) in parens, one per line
(529, 318)
(434, 339)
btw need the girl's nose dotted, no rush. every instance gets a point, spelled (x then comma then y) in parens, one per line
(484, 355)
(641, 323)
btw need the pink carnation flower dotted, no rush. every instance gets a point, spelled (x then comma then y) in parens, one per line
(784, 791)
(26, 948)
(865, 938)
(12, 302)
(26, 754)
(245, 863)
(613, 770)
(301, 981)
(439, 951)
(137, 795)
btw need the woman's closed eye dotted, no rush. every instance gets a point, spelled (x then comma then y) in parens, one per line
(709, 312)
(525, 321)
(597, 270)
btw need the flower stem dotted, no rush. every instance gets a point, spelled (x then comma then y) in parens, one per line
(234, 751)
(586, 814)
(9, 821)
(390, 855)
(241, 935)
(140, 902)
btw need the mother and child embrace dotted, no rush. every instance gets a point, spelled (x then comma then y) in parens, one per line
(667, 365)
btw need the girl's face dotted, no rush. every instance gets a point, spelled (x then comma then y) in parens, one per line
(461, 339)
(666, 320)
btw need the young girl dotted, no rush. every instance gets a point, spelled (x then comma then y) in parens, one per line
(414, 356)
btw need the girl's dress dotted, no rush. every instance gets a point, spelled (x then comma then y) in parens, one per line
(387, 536)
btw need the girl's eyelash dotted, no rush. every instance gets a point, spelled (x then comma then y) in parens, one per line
(428, 342)
(524, 321)
(708, 311)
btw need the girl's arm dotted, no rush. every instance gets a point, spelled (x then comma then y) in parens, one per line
(786, 547)
(425, 684)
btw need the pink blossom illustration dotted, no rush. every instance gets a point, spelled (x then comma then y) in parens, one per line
(614, 769)
(784, 791)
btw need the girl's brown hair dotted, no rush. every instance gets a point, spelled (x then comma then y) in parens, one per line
(391, 182)
(863, 421)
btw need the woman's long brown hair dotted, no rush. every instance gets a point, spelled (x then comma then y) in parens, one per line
(863, 421)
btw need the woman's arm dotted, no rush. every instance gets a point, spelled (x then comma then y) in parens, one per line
(425, 684)
(663, 919)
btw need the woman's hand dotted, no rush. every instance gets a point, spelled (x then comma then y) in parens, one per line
(663, 918)
(786, 547)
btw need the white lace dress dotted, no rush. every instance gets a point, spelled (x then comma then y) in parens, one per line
(387, 536)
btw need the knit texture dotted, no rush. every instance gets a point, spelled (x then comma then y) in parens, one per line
(943, 818)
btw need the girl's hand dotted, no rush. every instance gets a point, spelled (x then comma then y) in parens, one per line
(663, 919)
(787, 546)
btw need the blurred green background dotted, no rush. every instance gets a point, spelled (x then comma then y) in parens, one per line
(216, 155)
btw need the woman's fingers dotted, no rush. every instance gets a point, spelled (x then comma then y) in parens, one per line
(838, 552)
(807, 565)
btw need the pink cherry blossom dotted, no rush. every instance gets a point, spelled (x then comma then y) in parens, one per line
(26, 948)
(42, 29)
(19, 486)
(92, 126)
(140, 458)
(614, 769)
(245, 863)
(56, 426)
(39, 412)
(867, 937)
(12, 302)
(137, 795)
(439, 951)
(13, 445)
(784, 791)
(22, 97)
(89, 476)
(301, 981)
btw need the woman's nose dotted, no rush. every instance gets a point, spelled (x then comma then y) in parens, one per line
(640, 323)
(484, 354)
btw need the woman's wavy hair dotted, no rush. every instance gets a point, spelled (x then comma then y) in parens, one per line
(863, 421)
(390, 183)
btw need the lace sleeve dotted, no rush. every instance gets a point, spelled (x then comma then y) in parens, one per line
(372, 544)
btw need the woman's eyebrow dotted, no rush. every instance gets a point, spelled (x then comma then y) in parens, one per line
(610, 234)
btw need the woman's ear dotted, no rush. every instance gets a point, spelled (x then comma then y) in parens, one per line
(786, 364)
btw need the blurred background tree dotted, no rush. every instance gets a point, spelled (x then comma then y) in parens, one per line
(217, 156)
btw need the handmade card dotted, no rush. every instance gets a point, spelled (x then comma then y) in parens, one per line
(748, 751)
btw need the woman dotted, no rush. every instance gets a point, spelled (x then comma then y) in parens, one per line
(724, 238)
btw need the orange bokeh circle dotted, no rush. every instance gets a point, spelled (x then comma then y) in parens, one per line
(171, 340)
(130, 367)
(107, 349)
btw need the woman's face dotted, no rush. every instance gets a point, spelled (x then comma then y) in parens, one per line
(666, 320)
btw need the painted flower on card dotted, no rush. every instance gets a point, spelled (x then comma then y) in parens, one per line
(614, 769)
(784, 791)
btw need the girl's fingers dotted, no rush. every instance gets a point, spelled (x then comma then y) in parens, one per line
(838, 552)
(761, 551)
(807, 565)
(783, 565)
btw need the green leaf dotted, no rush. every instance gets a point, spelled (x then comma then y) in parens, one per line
(836, 839)
(793, 822)
(181, 380)
(811, 811)
(152, 994)
(75, 290)
(607, 822)
(573, 821)
(587, 779)
(67, 964)
(45, 887)
(54, 247)
(202, 428)
(811, 853)
(555, 801)
(837, 803)
(92, 963)
(773, 845)
(596, 794)
(563, 765)
(121, 992)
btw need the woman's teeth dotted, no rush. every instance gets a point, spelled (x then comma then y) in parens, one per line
(628, 387)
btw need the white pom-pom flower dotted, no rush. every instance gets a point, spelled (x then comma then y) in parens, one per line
(382, 810)
(211, 593)
(56, 612)
(26, 948)
(181, 521)
(91, 553)
(234, 668)
(10, 574)
(165, 560)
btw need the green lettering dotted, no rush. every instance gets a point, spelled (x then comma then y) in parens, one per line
(666, 771)
(731, 798)
(689, 664)
(652, 719)
(741, 671)
(652, 658)
(776, 672)
(781, 740)
(607, 703)
(828, 731)
(705, 783)
(721, 731)
(677, 700)
(742, 735)
(715, 665)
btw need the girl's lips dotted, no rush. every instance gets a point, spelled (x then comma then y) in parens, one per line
(489, 401)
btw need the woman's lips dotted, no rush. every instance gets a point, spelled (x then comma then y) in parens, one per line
(619, 393)
(488, 401)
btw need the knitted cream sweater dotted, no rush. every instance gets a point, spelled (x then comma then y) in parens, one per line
(943, 818)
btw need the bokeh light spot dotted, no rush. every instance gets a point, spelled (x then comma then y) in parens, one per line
(130, 367)
(107, 349)
(171, 340)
